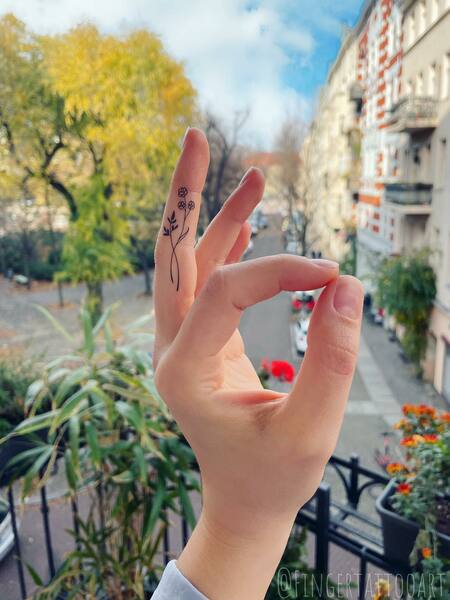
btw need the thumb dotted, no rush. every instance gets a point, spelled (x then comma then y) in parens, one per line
(317, 401)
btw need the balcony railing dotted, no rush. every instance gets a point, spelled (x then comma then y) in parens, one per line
(414, 114)
(409, 194)
(340, 523)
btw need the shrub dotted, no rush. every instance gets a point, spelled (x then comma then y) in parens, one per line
(406, 287)
(15, 377)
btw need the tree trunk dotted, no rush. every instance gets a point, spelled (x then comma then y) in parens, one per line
(147, 277)
(95, 300)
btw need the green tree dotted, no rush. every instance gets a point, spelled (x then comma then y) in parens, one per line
(406, 287)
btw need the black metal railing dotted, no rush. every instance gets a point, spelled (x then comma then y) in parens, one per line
(414, 112)
(409, 193)
(325, 516)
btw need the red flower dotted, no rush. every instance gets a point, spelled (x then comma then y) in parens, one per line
(310, 305)
(404, 488)
(430, 438)
(296, 304)
(265, 365)
(283, 370)
(426, 552)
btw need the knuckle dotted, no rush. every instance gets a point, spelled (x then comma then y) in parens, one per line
(337, 357)
(216, 284)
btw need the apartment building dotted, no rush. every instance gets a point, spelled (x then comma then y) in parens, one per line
(420, 199)
(333, 148)
(379, 69)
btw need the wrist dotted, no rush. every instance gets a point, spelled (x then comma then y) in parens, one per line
(226, 563)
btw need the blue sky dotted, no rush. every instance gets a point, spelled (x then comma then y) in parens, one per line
(265, 56)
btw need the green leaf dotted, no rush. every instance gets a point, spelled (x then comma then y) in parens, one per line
(34, 575)
(91, 436)
(70, 470)
(56, 324)
(33, 390)
(74, 378)
(71, 406)
(104, 318)
(74, 440)
(141, 463)
(34, 470)
(35, 423)
(124, 477)
(88, 345)
(155, 512)
(186, 505)
(131, 413)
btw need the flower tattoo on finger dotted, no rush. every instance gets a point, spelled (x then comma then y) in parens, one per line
(185, 207)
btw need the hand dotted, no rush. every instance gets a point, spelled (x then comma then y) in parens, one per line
(261, 453)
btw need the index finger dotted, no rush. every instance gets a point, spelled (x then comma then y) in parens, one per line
(218, 308)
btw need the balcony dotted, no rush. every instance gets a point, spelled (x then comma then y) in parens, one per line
(414, 115)
(410, 198)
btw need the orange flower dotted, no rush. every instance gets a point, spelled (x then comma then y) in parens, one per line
(404, 488)
(409, 409)
(445, 416)
(430, 438)
(424, 409)
(426, 552)
(381, 590)
(411, 441)
(393, 468)
(403, 424)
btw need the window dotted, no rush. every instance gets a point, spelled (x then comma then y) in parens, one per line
(432, 80)
(412, 28)
(419, 84)
(445, 86)
(434, 10)
(388, 95)
(422, 17)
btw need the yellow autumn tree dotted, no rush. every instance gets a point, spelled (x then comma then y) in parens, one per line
(129, 103)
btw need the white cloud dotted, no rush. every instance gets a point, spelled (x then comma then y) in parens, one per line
(234, 55)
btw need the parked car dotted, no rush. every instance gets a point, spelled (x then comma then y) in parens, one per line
(253, 220)
(261, 218)
(301, 335)
(6, 531)
(303, 301)
(377, 315)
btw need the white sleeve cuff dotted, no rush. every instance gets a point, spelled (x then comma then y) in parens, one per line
(175, 586)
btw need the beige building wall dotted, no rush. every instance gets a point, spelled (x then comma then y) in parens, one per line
(426, 158)
(331, 156)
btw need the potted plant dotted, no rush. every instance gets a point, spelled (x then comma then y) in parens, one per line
(418, 497)
(115, 438)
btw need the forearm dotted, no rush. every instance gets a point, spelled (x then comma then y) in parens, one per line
(224, 565)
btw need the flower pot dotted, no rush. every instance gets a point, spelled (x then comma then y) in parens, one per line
(11, 448)
(399, 533)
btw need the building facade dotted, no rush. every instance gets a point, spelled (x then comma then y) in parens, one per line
(379, 34)
(421, 198)
(333, 148)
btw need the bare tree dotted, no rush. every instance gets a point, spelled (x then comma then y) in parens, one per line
(294, 180)
(225, 163)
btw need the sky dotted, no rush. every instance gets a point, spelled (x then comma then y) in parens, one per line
(268, 57)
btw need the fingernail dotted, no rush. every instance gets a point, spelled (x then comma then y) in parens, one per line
(246, 176)
(348, 297)
(325, 264)
(185, 136)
